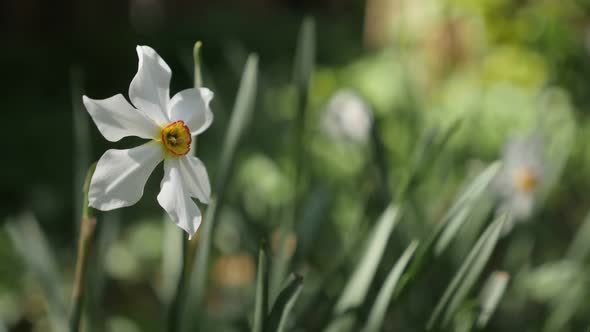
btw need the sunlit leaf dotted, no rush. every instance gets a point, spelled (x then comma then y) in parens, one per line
(281, 309)
(358, 285)
(468, 273)
(379, 309)
(261, 304)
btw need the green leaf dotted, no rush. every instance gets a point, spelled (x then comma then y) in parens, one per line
(31, 244)
(81, 142)
(305, 58)
(240, 118)
(468, 273)
(302, 71)
(456, 217)
(356, 289)
(491, 295)
(242, 112)
(459, 213)
(379, 309)
(171, 260)
(580, 247)
(281, 309)
(342, 323)
(261, 306)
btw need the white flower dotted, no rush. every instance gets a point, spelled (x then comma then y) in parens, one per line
(348, 117)
(169, 124)
(521, 175)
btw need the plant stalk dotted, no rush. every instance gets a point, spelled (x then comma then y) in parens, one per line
(87, 227)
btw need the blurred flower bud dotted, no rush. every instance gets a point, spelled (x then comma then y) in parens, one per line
(234, 271)
(347, 117)
(290, 243)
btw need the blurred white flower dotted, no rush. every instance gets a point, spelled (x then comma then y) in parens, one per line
(169, 124)
(521, 175)
(347, 117)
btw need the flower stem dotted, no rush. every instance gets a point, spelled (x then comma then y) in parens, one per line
(87, 227)
(175, 308)
(177, 302)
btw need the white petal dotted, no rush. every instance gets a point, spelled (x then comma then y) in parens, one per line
(120, 176)
(192, 107)
(149, 89)
(195, 178)
(116, 118)
(176, 199)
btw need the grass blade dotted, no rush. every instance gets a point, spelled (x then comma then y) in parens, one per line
(460, 211)
(261, 306)
(81, 134)
(302, 72)
(171, 261)
(468, 273)
(491, 295)
(386, 293)
(304, 59)
(242, 112)
(358, 285)
(31, 244)
(281, 309)
(580, 247)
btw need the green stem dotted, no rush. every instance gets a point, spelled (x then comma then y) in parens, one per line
(87, 227)
(178, 300)
(188, 247)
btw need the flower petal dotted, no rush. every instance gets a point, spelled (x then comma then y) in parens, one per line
(195, 178)
(192, 107)
(116, 118)
(149, 89)
(176, 199)
(120, 176)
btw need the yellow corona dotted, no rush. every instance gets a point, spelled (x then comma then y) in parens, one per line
(176, 138)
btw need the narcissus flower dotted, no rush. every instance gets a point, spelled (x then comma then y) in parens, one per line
(521, 175)
(169, 124)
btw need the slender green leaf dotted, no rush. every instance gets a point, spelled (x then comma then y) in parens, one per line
(302, 72)
(261, 306)
(242, 112)
(468, 272)
(305, 58)
(31, 244)
(171, 261)
(81, 134)
(107, 233)
(460, 211)
(240, 118)
(379, 309)
(491, 295)
(358, 285)
(342, 323)
(456, 216)
(580, 247)
(567, 305)
(475, 270)
(281, 309)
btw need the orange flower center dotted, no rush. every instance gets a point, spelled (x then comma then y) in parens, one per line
(526, 179)
(176, 138)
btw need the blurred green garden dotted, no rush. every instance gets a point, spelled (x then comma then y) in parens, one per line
(378, 165)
